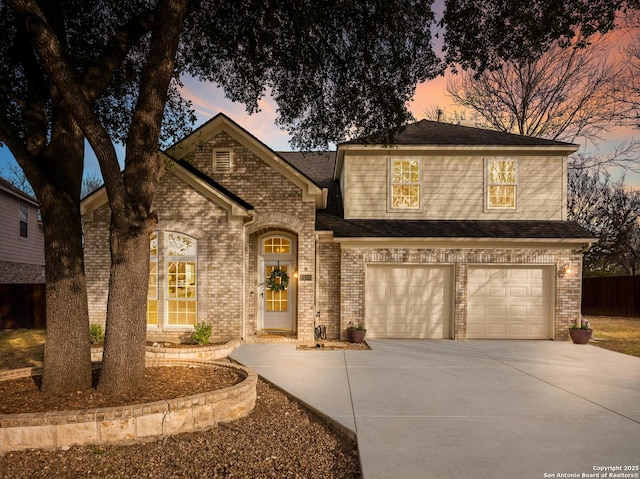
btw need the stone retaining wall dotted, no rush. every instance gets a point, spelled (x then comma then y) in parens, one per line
(127, 424)
(213, 352)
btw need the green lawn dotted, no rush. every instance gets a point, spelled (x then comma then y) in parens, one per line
(616, 334)
(21, 348)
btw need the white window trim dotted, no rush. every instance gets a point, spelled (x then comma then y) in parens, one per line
(390, 185)
(487, 184)
(155, 258)
(166, 259)
(23, 217)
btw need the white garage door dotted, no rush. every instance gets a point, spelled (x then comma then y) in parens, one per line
(408, 301)
(509, 302)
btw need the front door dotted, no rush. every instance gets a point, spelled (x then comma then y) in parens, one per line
(278, 302)
(276, 266)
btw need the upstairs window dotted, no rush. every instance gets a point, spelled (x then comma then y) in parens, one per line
(502, 184)
(222, 161)
(24, 221)
(405, 184)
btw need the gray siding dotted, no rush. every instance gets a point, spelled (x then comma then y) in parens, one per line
(453, 187)
(13, 247)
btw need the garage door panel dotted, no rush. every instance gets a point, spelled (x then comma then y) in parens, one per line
(537, 312)
(376, 329)
(537, 329)
(509, 302)
(518, 274)
(518, 311)
(377, 292)
(518, 292)
(496, 310)
(517, 329)
(496, 329)
(417, 301)
(537, 292)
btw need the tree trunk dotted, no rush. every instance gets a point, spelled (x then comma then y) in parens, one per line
(67, 354)
(123, 359)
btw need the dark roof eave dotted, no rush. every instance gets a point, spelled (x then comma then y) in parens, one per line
(453, 230)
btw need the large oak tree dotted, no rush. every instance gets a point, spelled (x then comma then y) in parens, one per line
(107, 71)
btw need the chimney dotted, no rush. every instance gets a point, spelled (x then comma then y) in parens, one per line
(440, 112)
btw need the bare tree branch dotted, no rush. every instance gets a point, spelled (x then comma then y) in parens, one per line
(565, 94)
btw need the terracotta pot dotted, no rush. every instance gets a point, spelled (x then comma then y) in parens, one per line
(580, 336)
(356, 335)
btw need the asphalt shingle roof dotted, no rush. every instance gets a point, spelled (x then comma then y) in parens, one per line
(316, 165)
(426, 132)
(489, 229)
(214, 184)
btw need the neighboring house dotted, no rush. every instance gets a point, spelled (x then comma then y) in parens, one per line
(444, 232)
(21, 237)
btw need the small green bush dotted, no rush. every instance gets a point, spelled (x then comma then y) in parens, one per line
(96, 333)
(202, 332)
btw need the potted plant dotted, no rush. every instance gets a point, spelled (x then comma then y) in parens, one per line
(581, 331)
(356, 332)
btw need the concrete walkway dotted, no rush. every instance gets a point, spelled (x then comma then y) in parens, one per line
(470, 409)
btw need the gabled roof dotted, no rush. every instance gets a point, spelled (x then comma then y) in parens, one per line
(426, 135)
(220, 123)
(316, 165)
(198, 180)
(214, 184)
(10, 190)
(426, 132)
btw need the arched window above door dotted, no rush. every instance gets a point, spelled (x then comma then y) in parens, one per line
(277, 245)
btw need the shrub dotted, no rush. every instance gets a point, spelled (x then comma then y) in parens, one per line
(96, 333)
(202, 332)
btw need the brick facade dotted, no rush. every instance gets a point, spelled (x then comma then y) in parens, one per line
(227, 246)
(21, 273)
(274, 199)
(354, 260)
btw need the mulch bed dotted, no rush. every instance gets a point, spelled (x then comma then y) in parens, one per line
(23, 395)
(334, 345)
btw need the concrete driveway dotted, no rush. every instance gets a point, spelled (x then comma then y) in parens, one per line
(471, 409)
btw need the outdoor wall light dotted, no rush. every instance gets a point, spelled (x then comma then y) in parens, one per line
(564, 270)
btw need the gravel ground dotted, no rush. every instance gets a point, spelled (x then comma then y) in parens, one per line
(279, 439)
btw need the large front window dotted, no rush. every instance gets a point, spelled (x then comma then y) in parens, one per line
(172, 276)
(181, 279)
(152, 291)
(405, 184)
(502, 183)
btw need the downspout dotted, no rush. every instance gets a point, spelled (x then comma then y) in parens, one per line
(252, 216)
(316, 291)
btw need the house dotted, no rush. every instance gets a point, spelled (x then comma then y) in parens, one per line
(21, 237)
(445, 231)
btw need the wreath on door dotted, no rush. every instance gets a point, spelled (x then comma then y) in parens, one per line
(272, 281)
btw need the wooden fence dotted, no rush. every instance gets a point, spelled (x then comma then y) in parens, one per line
(22, 306)
(611, 296)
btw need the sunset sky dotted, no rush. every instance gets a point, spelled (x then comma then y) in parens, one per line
(209, 100)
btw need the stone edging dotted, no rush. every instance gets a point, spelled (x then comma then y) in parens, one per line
(127, 424)
(214, 352)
